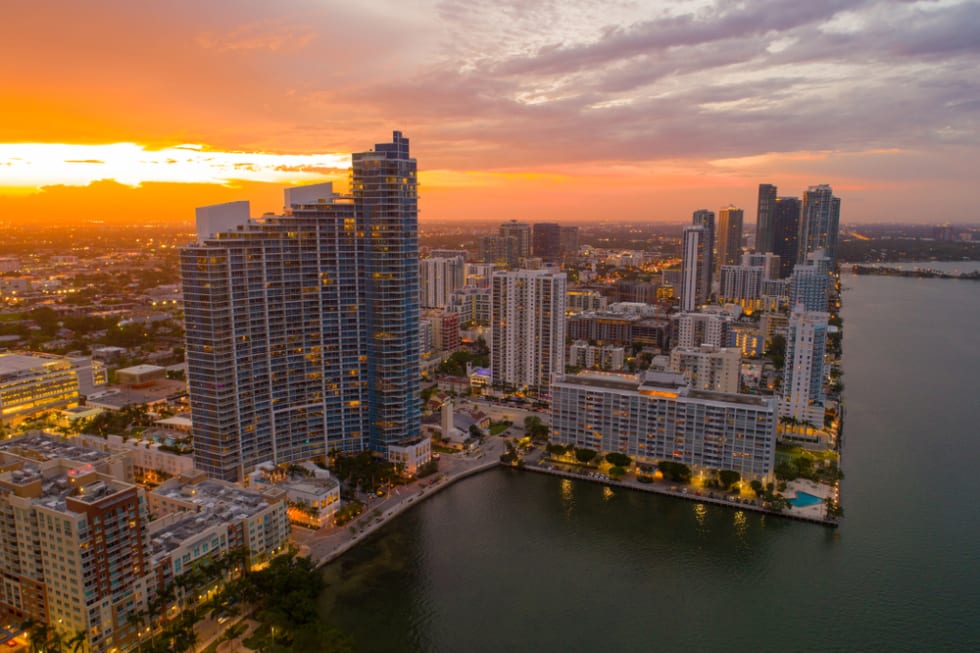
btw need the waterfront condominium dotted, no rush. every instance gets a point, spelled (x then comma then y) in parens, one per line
(303, 329)
(819, 223)
(527, 316)
(802, 391)
(656, 416)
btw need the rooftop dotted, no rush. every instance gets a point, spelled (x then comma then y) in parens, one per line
(19, 363)
(41, 447)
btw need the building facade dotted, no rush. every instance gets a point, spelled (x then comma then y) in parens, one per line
(33, 383)
(786, 232)
(705, 218)
(708, 367)
(806, 342)
(764, 232)
(694, 258)
(819, 223)
(729, 236)
(657, 417)
(439, 277)
(302, 330)
(528, 329)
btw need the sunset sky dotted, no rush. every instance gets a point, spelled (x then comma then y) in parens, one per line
(561, 110)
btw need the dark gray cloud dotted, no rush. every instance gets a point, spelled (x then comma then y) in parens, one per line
(731, 80)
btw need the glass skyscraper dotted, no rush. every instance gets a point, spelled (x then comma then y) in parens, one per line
(819, 223)
(303, 329)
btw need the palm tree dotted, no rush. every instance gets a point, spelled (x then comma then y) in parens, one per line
(78, 641)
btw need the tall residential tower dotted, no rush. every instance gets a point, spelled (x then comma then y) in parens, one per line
(819, 223)
(303, 329)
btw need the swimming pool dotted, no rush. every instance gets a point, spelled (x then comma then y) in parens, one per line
(803, 499)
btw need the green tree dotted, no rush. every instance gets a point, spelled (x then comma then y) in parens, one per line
(777, 351)
(728, 478)
(618, 459)
(585, 455)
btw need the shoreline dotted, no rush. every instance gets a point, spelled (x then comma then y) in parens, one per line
(689, 495)
(387, 515)
(328, 554)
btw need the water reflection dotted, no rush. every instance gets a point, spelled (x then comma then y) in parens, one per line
(699, 512)
(567, 496)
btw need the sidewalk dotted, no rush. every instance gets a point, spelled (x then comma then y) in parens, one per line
(328, 543)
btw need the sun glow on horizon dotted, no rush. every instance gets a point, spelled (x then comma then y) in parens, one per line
(28, 167)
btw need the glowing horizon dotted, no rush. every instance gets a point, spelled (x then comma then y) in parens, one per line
(544, 111)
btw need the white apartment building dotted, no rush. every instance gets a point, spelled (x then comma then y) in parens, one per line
(656, 416)
(528, 329)
(708, 367)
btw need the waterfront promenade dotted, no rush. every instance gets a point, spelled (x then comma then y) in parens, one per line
(328, 543)
(814, 513)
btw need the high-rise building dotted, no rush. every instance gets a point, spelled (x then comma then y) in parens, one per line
(439, 278)
(764, 233)
(694, 253)
(569, 241)
(729, 236)
(810, 283)
(521, 233)
(657, 417)
(527, 317)
(303, 329)
(546, 241)
(802, 391)
(819, 223)
(705, 218)
(786, 232)
(499, 250)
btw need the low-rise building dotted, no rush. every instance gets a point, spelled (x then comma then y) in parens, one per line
(313, 494)
(259, 517)
(33, 383)
(656, 416)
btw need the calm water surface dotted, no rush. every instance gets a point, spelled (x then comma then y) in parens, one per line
(511, 561)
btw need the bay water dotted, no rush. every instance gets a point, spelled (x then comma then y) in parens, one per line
(517, 561)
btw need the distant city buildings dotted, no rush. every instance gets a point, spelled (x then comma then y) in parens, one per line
(694, 258)
(439, 277)
(786, 232)
(302, 330)
(546, 241)
(705, 218)
(729, 236)
(765, 232)
(819, 223)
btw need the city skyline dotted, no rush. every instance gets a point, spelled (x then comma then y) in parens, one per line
(542, 113)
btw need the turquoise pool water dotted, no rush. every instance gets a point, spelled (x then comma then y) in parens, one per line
(803, 499)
